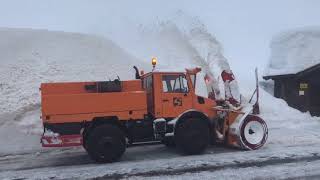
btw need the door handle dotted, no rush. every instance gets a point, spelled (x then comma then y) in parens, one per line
(165, 100)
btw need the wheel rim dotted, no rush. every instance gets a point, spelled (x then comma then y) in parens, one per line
(254, 132)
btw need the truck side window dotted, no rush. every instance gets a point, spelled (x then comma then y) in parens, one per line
(174, 84)
(147, 83)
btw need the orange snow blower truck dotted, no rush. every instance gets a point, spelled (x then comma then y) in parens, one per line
(106, 117)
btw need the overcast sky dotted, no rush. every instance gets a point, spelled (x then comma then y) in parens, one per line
(244, 27)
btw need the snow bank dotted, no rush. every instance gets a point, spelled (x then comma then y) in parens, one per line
(278, 114)
(288, 126)
(294, 51)
(20, 135)
(30, 57)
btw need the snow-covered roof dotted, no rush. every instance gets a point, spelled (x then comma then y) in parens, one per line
(294, 51)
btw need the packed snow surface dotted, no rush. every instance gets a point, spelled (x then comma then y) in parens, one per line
(294, 51)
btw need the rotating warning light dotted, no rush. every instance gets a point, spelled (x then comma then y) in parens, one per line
(154, 61)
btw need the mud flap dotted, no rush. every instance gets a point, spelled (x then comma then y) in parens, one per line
(248, 132)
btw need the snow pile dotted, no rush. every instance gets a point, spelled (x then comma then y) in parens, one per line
(294, 51)
(20, 134)
(30, 122)
(287, 126)
(30, 57)
(278, 114)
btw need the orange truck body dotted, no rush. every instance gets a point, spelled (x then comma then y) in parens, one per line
(70, 103)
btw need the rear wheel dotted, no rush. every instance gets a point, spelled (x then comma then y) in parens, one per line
(192, 135)
(106, 143)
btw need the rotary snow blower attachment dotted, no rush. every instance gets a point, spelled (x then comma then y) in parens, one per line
(238, 125)
(106, 117)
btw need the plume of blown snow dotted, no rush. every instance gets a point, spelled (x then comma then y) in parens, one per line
(180, 42)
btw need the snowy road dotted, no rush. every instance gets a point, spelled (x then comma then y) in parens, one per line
(156, 161)
(77, 156)
(292, 151)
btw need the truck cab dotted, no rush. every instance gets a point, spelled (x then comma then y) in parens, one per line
(169, 94)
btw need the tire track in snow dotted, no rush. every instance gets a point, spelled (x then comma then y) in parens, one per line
(211, 168)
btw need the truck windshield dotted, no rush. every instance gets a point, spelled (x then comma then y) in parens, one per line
(174, 84)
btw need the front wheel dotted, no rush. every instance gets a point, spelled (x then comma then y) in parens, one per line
(169, 142)
(192, 136)
(106, 143)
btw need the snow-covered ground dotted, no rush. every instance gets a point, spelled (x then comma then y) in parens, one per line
(33, 56)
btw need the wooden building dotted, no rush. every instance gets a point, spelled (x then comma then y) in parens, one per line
(300, 90)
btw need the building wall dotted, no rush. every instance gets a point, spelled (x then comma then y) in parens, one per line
(302, 93)
(313, 90)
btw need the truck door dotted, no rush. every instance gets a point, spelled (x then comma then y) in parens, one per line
(176, 97)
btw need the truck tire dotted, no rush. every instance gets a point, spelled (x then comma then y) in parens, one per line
(169, 142)
(192, 136)
(106, 143)
(84, 142)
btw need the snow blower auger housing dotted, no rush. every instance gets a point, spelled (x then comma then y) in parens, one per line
(107, 117)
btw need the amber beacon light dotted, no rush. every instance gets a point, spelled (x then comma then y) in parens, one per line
(154, 62)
